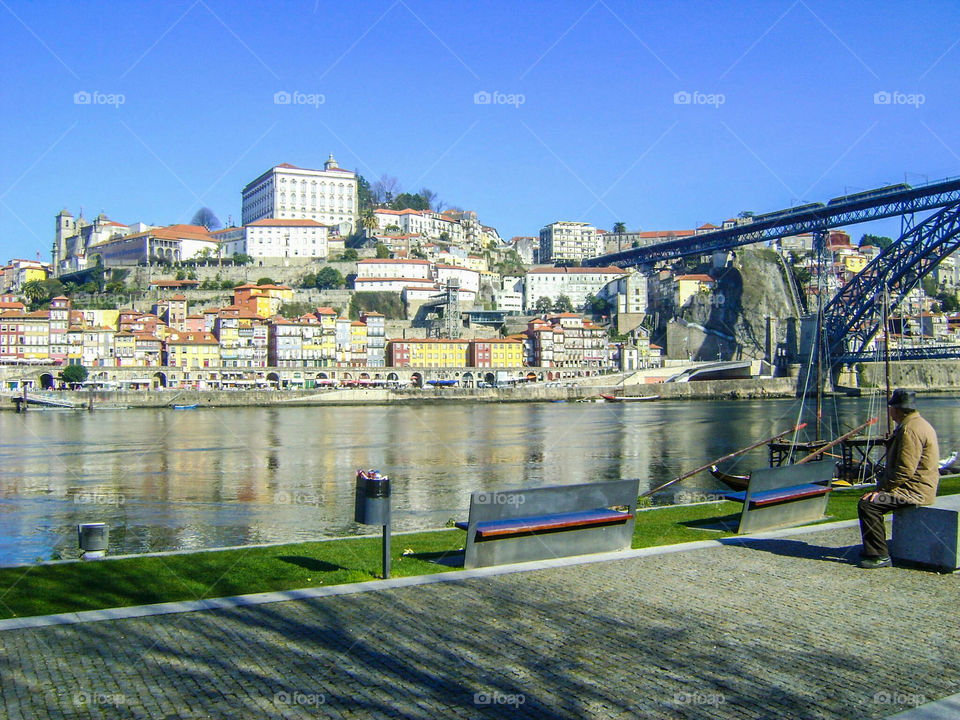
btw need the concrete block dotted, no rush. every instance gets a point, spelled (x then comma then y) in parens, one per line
(929, 535)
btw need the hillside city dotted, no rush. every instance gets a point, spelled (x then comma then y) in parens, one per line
(329, 273)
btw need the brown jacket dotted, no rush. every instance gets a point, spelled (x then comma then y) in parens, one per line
(913, 462)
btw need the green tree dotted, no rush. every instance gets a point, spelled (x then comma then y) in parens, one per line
(563, 304)
(242, 259)
(350, 254)
(329, 278)
(229, 284)
(265, 281)
(929, 284)
(543, 305)
(309, 281)
(34, 291)
(382, 251)
(368, 221)
(411, 201)
(879, 241)
(364, 195)
(619, 228)
(948, 302)
(74, 374)
(385, 303)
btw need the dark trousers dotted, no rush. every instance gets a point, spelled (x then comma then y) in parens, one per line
(872, 529)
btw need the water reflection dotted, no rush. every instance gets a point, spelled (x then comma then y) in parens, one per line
(167, 479)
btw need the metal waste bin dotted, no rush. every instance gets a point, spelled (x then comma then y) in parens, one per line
(372, 505)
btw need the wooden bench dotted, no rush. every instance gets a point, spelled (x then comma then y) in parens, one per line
(785, 496)
(929, 534)
(543, 523)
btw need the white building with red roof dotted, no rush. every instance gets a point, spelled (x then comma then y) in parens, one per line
(276, 238)
(573, 282)
(286, 191)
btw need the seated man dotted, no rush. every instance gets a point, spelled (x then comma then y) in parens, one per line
(910, 477)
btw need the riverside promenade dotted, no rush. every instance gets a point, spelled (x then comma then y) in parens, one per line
(785, 626)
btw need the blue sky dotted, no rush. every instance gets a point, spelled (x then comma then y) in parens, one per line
(588, 125)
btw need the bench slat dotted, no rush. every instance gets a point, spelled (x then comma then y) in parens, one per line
(771, 497)
(557, 521)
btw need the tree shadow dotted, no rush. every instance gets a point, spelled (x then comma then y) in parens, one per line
(310, 563)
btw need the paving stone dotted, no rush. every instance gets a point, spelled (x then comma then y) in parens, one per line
(776, 628)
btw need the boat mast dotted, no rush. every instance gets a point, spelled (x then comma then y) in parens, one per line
(886, 345)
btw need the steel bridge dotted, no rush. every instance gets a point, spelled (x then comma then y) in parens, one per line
(854, 316)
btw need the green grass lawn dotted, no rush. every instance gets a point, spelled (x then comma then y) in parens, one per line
(70, 587)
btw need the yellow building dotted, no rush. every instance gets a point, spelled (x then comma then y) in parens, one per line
(192, 350)
(36, 336)
(496, 353)
(358, 343)
(686, 286)
(444, 353)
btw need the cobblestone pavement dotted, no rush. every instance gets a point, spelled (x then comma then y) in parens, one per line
(784, 628)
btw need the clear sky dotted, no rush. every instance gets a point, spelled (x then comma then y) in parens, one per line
(586, 119)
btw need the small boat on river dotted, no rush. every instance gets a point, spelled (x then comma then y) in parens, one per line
(194, 406)
(630, 398)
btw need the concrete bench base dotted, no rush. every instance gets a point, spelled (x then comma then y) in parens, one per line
(928, 535)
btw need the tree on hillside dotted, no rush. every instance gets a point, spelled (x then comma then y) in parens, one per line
(242, 259)
(410, 201)
(433, 201)
(368, 221)
(383, 252)
(385, 189)
(205, 217)
(563, 304)
(329, 278)
(948, 302)
(34, 291)
(879, 241)
(543, 305)
(365, 199)
(350, 255)
(265, 281)
(74, 374)
(619, 228)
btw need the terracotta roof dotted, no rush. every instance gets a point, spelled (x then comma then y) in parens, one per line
(201, 338)
(179, 297)
(284, 222)
(430, 340)
(698, 277)
(578, 270)
(394, 279)
(388, 261)
(325, 310)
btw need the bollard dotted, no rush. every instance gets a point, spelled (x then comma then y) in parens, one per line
(92, 539)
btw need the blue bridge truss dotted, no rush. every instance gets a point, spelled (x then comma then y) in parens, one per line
(854, 316)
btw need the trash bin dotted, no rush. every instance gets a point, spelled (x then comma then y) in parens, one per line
(372, 506)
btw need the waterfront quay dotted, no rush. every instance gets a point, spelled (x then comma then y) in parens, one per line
(783, 625)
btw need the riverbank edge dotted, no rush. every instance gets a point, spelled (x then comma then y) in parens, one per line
(104, 585)
(703, 390)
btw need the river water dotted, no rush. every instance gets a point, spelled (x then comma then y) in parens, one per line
(168, 479)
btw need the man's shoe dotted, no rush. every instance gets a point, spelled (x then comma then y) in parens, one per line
(872, 563)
